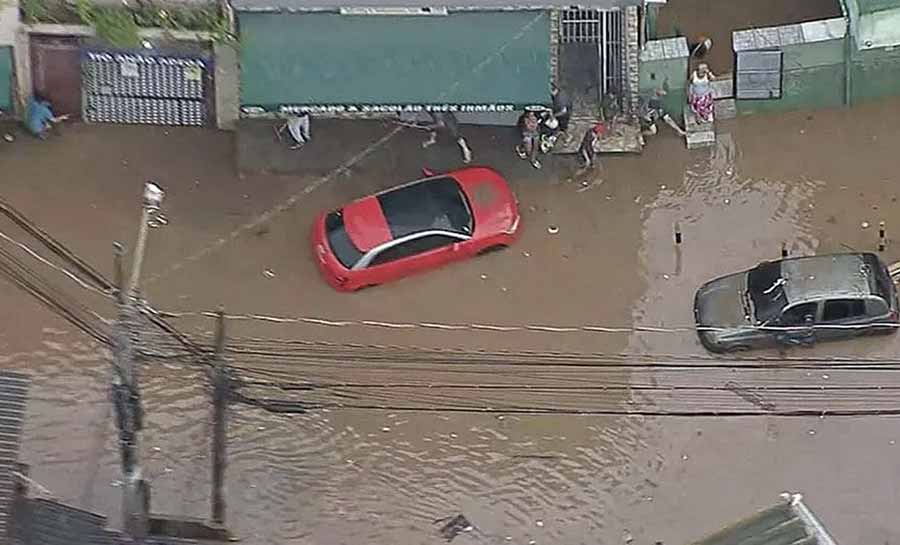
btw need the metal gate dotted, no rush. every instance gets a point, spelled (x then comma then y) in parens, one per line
(606, 28)
(145, 89)
(55, 72)
(758, 74)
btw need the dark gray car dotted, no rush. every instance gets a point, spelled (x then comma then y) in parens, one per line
(798, 300)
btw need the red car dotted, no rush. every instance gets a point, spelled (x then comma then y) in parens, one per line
(414, 227)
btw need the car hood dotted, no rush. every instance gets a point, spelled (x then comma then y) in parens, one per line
(718, 303)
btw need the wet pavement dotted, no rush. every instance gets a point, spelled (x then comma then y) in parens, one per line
(385, 475)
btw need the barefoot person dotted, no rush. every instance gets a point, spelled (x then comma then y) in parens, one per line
(298, 127)
(652, 110)
(700, 93)
(39, 118)
(530, 132)
(445, 123)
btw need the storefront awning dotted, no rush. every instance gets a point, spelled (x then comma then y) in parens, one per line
(483, 58)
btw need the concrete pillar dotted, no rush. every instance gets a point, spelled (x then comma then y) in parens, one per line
(9, 21)
(632, 62)
(228, 87)
(22, 63)
(554, 44)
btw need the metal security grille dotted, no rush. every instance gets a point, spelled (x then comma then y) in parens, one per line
(758, 74)
(606, 28)
(145, 90)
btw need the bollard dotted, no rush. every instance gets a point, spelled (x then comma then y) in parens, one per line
(677, 233)
(784, 250)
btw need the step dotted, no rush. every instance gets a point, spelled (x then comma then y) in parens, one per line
(723, 87)
(700, 139)
(726, 109)
(692, 125)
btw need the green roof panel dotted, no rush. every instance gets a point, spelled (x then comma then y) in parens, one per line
(460, 58)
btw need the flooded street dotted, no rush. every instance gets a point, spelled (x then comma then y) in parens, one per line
(430, 417)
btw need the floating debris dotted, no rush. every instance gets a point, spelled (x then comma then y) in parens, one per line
(386, 429)
(865, 225)
(552, 229)
(9, 138)
(453, 526)
(526, 254)
(268, 273)
(539, 523)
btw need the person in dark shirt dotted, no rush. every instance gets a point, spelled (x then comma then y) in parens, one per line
(446, 124)
(562, 109)
(652, 110)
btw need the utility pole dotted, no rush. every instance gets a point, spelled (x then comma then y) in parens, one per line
(221, 394)
(125, 387)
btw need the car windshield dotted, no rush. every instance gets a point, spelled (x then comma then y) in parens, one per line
(341, 245)
(437, 203)
(765, 287)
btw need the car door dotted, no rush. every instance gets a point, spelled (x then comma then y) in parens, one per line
(414, 255)
(802, 315)
(842, 315)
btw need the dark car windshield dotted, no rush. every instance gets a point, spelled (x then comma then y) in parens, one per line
(341, 245)
(438, 203)
(765, 287)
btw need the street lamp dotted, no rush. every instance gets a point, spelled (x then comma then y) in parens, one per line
(153, 198)
(125, 390)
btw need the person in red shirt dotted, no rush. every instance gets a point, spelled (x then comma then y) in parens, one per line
(590, 145)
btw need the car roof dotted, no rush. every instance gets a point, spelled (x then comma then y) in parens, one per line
(827, 276)
(365, 224)
(403, 210)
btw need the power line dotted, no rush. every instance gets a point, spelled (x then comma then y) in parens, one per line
(509, 328)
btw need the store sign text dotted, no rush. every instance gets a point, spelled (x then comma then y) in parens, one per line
(394, 108)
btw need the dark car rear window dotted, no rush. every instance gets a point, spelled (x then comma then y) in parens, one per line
(438, 203)
(341, 245)
(766, 290)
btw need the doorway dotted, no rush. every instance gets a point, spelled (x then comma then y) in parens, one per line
(56, 72)
(592, 57)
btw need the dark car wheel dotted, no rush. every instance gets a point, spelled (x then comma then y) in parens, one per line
(492, 249)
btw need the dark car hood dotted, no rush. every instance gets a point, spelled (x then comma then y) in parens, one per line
(718, 303)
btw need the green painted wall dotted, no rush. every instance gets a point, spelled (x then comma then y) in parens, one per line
(5, 78)
(809, 88)
(874, 74)
(327, 58)
(813, 77)
(653, 74)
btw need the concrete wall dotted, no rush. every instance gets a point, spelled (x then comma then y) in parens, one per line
(874, 73)
(664, 63)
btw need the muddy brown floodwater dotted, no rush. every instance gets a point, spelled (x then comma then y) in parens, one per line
(383, 476)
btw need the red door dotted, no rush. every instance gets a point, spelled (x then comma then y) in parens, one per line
(56, 72)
